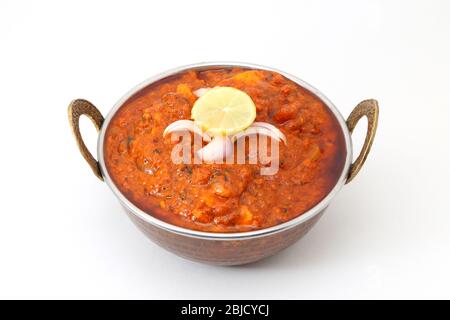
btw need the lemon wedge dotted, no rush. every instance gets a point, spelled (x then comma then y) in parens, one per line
(224, 111)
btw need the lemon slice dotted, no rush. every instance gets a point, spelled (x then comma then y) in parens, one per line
(224, 111)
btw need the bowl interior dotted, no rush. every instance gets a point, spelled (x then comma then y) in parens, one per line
(238, 235)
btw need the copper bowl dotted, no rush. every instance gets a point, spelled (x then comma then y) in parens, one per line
(225, 248)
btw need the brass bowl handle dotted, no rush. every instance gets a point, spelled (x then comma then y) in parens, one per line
(368, 108)
(77, 108)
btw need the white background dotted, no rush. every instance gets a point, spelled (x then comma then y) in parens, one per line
(63, 233)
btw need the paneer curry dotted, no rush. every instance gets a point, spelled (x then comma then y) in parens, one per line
(215, 197)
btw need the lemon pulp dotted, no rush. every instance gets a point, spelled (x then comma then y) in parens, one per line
(224, 111)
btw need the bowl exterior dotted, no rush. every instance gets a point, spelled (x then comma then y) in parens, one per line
(226, 252)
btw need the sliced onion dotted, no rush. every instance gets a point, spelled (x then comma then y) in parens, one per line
(258, 130)
(219, 148)
(271, 128)
(189, 125)
(201, 91)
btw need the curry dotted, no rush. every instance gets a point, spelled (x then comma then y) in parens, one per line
(215, 197)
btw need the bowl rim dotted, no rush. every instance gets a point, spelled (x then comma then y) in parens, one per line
(319, 207)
